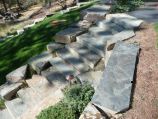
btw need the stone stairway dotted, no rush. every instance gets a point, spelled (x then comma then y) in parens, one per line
(75, 53)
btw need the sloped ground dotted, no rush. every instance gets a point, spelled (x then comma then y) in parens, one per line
(145, 99)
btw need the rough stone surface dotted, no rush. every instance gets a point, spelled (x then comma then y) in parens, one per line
(5, 114)
(40, 66)
(90, 57)
(18, 75)
(63, 67)
(68, 35)
(39, 20)
(100, 65)
(93, 77)
(76, 61)
(90, 112)
(52, 47)
(125, 20)
(82, 24)
(8, 91)
(114, 90)
(16, 107)
(42, 58)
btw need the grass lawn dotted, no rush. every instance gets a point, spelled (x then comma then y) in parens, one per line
(15, 51)
(156, 28)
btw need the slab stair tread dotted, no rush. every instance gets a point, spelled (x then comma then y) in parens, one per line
(16, 107)
(89, 56)
(5, 114)
(63, 67)
(96, 44)
(76, 61)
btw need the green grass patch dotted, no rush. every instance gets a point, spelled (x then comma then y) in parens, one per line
(2, 105)
(156, 28)
(15, 52)
(76, 99)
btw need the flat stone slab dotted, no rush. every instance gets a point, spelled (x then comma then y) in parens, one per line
(5, 114)
(97, 44)
(114, 90)
(63, 67)
(89, 56)
(93, 77)
(16, 107)
(17, 75)
(125, 20)
(74, 60)
(90, 112)
(8, 91)
(36, 61)
(68, 35)
(52, 47)
(82, 24)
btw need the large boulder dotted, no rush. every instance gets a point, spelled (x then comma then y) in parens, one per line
(17, 75)
(113, 93)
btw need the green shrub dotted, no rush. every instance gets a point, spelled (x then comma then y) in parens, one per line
(2, 105)
(76, 98)
(125, 5)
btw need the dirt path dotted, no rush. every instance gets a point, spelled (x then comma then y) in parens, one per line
(145, 100)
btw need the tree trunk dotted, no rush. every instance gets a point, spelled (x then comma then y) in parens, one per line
(5, 7)
(19, 5)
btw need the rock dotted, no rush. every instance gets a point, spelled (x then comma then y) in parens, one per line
(28, 26)
(63, 67)
(93, 77)
(40, 62)
(5, 114)
(20, 31)
(125, 20)
(39, 20)
(90, 112)
(74, 60)
(93, 17)
(8, 91)
(100, 66)
(52, 47)
(89, 57)
(82, 24)
(114, 90)
(17, 75)
(68, 35)
(16, 107)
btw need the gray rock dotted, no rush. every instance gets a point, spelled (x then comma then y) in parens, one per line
(76, 61)
(52, 47)
(63, 67)
(18, 75)
(90, 112)
(40, 66)
(114, 90)
(93, 77)
(82, 24)
(8, 91)
(90, 57)
(100, 66)
(39, 61)
(93, 17)
(68, 35)
(5, 114)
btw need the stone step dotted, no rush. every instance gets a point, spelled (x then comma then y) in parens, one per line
(68, 35)
(113, 93)
(52, 47)
(16, 107)
(5, 114)
(89, 57)
(94, 43)
(40, 62)
(63, 67)
(29, 96)
(74, 60)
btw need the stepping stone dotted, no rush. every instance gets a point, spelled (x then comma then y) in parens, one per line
(68, 35)
(91, 112)
(97, 44)
(17, 75)
(40, 66)
(29, 96)
(125, 20)
(64, 68)
(114, 90)
(76, 61)
(42, 59)
(82, 24)
(5, 114)
(88, 56)
(16, 107)
(93, 77)
(8, 91)
(39, 20)
(53, 47)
